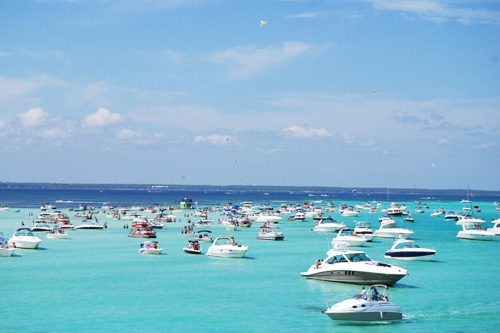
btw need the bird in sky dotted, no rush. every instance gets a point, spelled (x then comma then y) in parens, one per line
(262, 23)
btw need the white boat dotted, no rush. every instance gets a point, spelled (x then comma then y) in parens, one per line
(364, 228)
(406, 249)
(352, 266)
(150, 247)
(328, 226)
(57, 233)
(203, 236)
(349, 212)
(438, 212)
(496, 227)
(5, 249)
(267, 233)
(473, 231)
(373, 308)
(40, 226)
(23, 238)
(226, 248)
(193, 247)
(89, 226)
(451, 215)
(347, 235)
(265, 218)
(298, 216)
(390, 230)
(464, 219)
(3, 208)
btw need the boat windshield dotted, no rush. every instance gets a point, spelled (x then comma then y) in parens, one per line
(24, 232)
(345, 232)
(405, 245)
(357, 257)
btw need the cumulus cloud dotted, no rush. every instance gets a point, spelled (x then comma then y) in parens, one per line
(33, 117)
(102, 117)
(307, 133)
(215, 139)
(127, 134)
(249, 60)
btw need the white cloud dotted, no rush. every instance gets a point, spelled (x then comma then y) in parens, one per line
(11, 88)
(249, 60)
(305, 15)
(442, 141)
(127, 134)
(102, 117)
(215, 139)
(93, 93)
(307, 133)
(33, 117)
(53, 133)
(440, 11)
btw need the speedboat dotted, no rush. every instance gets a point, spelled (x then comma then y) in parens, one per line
(150, 247)
(57, 233)
(89, 226)
(265, 218)
(40, 226)
(406, 249)
(23, 238)
(203, 236)
(328, 226)
(438, 212)
(348, 236)
(5, 249)
(298, 216)
(390, 230)
(451, 215)
(267, 233)
(374, 308)
(496, 227)
(396, 210)
(344, 265)
(364, 228)
(226, 248)
(349, 212)
(193, 247)
(142, 232)
(473, 231)
(463, 219)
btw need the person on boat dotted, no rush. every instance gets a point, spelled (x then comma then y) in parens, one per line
(363, 293)
(318, 263)
(375, 294)
(233, 242)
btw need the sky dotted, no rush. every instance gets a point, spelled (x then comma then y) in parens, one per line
(355, 93)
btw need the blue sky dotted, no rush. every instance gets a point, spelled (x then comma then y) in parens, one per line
(335, 93)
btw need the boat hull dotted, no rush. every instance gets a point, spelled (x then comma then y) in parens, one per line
(57, 236)
(191, 251)
(476, 236)
(6, 252)
(356, 277)
(151, 251)
(368, 317)
(410, 255)
(25, 243)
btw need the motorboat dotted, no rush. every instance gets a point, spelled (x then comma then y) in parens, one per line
(193, 247)
(372, 308)
(396, 210)
(23, 238)
(40, 226)
(204, 222)
(230, 225)
(265, 218)
(406, 249)
(364, 228)
(5, 249)
(496, 227)
(328, 226)
(267, 233)
(391, 230)
(150, 247)
(142, 232)
(89, 226)
(349, 212)
(409, 219)
(57, 233)
(226, 248)
(473, 231)
(348, 236)
(463, 219)
(203, 236)
(451, 215)
(438, 212)
(3, 208)
(156, 225)
(353, 266)
(298, 216)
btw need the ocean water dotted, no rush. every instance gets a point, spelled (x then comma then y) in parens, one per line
(97, 281)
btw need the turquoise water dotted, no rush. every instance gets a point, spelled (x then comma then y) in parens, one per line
(97, 281)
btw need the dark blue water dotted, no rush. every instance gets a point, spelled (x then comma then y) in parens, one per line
(64, 195)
